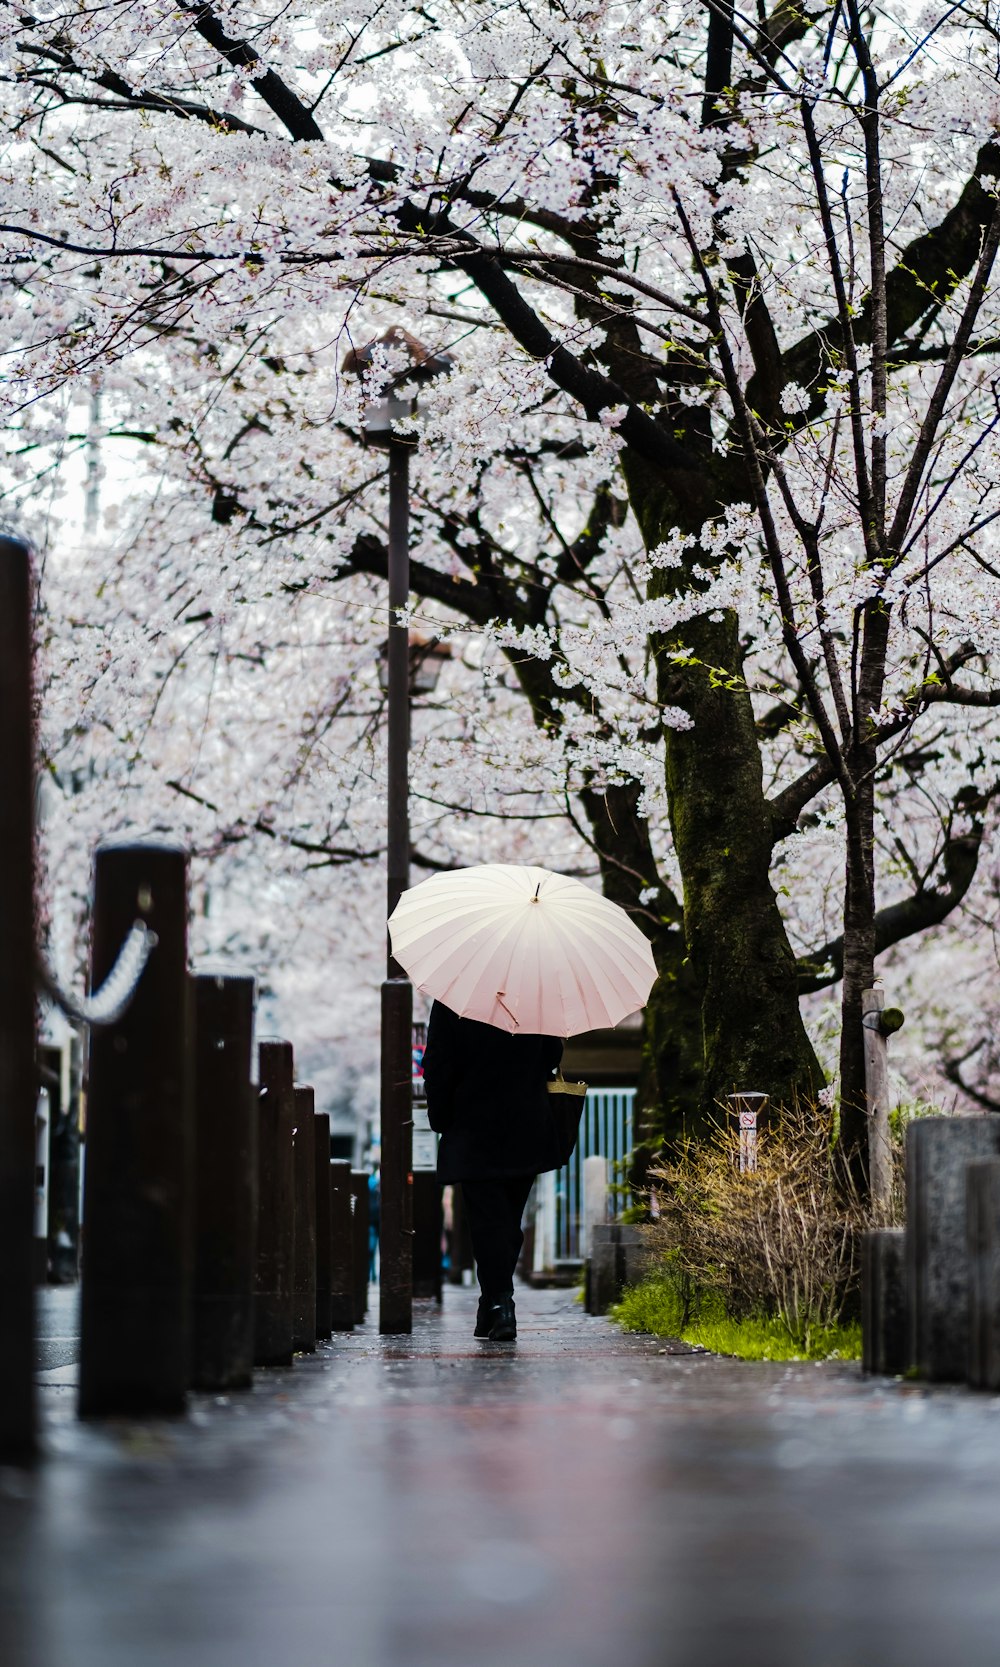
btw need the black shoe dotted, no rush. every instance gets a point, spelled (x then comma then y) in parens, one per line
(504, 1326)
(484, 1318)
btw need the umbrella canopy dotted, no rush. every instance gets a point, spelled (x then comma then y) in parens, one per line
(523, 949)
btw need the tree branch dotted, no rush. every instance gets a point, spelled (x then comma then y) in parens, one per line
(902, 920)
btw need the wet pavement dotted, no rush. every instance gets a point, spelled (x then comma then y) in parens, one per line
(579, 1499)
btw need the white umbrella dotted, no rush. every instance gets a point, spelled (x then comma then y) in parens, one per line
(523, 949)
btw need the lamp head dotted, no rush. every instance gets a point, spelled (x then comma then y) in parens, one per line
(395, 404)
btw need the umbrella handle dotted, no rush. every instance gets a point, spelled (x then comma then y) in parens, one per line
(503, 1004)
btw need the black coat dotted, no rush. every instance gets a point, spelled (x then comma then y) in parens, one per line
(486, 1097)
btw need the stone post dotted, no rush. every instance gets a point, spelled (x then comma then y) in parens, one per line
(937, 1151)
(982, 1180)
(885, 1320)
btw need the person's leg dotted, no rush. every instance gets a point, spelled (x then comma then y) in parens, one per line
(517, 1188)
(488, 1210)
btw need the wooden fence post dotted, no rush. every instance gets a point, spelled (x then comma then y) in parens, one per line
(304, 1163)
(17, 1007)
(225, 1182)
(324, 1252)
(343, 1285)
(360, 1218)
(138, 1210)
(273, 1283)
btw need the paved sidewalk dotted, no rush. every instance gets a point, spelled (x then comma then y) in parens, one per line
(579, 1499)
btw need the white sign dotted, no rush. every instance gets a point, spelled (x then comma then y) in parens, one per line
(425, 1143)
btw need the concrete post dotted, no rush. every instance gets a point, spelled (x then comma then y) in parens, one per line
(138, 1213)
(225, 1182)
(619, 1256)
(545, 1224)
(274, 1275)
(937, 1151)
(595, 1199)
(885, 1319)
(982, 1180)
(603, 1285)
(304, 1162)
(17, 1006)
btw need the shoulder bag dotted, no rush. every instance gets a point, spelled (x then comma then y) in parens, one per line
(566, 1100)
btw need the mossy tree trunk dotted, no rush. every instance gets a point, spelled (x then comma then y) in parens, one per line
(724, 829)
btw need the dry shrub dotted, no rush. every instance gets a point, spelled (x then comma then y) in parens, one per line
(781, 1241)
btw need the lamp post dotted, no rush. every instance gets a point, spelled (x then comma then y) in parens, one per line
(396, 1220)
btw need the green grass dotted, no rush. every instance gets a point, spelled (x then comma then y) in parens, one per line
(658, 1306)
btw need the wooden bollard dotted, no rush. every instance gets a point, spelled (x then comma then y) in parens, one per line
(359, 1190)
(885, 1331)
(275, 1262)
(321, 1127)
(17, 1007)
(225, 1182)
(395, 1239)
(135, 1322)
(937, 1152)
(343, 1290)
(304, 1328)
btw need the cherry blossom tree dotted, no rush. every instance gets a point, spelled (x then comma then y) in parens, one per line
(716, 477)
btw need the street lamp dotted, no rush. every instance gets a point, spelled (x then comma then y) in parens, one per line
(427, 657)
(396, 404)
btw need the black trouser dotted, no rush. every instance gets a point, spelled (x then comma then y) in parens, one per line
(494, 1210)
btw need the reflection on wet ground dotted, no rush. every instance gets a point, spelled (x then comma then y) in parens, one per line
(579, 1499)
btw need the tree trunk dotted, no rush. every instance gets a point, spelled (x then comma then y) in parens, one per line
(752, 1032)
(669, 1100)
(859, 973)
(741, 963)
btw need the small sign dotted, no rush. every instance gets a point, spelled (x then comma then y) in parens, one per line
(425, 1143)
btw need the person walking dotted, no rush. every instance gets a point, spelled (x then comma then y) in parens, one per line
(487, 1097)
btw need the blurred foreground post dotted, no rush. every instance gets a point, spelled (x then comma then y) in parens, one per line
(225, 1182)
(138, 1183)
(343, 1290)
(273, 1283)
(982, 1191)
(304, 1160)
(17, 1006)
(321, 1130)
(937, 1152)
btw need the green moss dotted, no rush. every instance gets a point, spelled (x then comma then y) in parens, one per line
(763, 1339)
(661, 1306)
